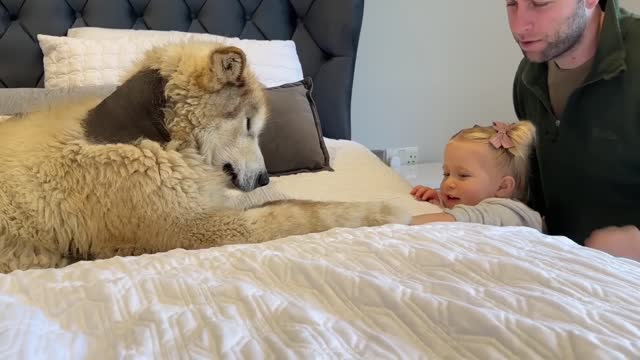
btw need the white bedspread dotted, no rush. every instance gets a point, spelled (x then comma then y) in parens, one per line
(435, 291)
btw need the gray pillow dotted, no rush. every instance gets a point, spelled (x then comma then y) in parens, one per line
(291, 142)
(24, 100)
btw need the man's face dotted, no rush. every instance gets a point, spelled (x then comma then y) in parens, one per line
(546, 29)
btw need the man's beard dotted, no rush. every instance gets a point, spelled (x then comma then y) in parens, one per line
(567, 37)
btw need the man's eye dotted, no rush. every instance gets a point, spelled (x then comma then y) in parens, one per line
(540, 4)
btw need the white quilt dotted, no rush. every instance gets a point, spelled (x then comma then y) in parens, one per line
(436, 291)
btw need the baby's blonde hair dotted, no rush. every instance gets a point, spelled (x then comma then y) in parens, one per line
(515, 159)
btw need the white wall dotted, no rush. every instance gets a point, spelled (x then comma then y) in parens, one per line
(426, 69)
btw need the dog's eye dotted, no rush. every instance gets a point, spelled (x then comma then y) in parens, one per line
(248, 124)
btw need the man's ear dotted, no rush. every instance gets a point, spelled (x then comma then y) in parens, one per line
(507, 187)
(228, 64)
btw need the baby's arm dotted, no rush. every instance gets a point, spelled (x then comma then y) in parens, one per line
(499, 212)
(429, 218)
(425, 193)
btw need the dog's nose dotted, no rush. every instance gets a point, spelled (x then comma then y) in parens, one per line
(262, 180)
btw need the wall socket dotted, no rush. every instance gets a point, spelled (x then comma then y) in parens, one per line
(406, 155)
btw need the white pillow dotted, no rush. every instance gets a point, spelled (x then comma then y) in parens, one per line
(98, 33)
(74, 62)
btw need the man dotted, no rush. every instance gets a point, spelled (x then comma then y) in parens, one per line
(579, 83)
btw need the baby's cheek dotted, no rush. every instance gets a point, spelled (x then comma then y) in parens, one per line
(473, 198)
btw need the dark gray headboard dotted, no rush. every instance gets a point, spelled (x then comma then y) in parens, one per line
(326, 33)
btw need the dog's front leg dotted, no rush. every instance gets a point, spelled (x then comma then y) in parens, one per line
(271, 221)
(284, 218)
(296, 217)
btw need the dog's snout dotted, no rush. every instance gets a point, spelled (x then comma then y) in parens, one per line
(262, 179)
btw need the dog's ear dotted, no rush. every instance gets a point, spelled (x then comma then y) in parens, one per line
(228, 64)
(133, 111)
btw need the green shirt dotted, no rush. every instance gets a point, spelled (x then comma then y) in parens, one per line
(586, 167)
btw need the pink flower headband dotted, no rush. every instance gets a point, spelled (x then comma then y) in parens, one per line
(502, 138)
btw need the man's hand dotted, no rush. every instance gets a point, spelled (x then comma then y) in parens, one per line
(617, 241)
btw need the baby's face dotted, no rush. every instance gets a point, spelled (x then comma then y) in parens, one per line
(470, 173)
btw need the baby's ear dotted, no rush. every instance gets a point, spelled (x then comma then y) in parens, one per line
(228, 64)
(507, 187)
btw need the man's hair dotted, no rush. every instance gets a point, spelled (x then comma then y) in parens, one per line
(603, 4)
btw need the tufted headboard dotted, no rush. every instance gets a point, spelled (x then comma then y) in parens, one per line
(326, 33)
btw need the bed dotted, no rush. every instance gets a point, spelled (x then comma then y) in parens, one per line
(432, 291)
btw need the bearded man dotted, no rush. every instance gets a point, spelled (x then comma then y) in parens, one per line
(579, 83)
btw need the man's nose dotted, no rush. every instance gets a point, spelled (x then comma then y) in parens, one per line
(521, 19)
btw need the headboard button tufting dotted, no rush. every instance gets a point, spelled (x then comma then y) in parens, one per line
(316, 41)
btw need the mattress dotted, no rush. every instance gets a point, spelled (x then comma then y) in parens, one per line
(431, 291)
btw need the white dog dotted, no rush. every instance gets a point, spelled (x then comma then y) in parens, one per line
(145, 170)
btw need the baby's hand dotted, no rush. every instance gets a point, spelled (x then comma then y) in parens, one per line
(424, 193)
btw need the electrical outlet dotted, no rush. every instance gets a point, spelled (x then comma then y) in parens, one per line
(411, 155)
(406, 155)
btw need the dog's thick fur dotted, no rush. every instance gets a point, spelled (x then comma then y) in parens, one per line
(150, 168)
